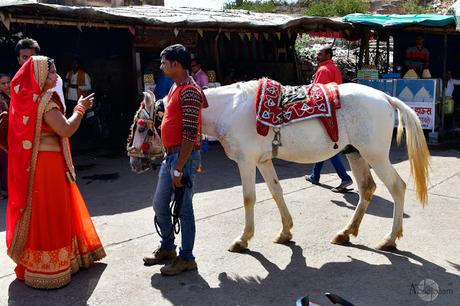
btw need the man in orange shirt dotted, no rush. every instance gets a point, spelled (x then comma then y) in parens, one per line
(181, 137)
(328, 72)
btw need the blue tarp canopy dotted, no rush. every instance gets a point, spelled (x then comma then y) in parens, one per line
(398, 21)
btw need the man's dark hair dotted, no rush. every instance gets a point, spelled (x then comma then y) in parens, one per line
(328, 50)
(179, 54)
(2, 75)
(27, 43)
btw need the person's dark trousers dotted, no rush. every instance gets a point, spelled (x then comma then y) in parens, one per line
(4, 170)
(339, 168)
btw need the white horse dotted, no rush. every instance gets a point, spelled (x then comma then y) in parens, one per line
(365, 120)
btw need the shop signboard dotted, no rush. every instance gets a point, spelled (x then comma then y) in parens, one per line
(420, 95)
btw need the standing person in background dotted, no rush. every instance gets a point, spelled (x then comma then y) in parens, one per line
(163, 85)
(77, 83)
(200, 77)
(4, 92)
(4, 106)
(28, 47)
(418, 57)
(328, 72)
(449, 102)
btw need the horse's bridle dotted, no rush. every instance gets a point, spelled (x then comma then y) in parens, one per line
(151, 134)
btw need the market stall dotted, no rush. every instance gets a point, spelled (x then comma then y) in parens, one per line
(425, 47)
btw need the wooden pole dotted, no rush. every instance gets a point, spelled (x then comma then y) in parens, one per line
(388, 54)
(366, 49)
(361, 53)
(443, 95)
(377, 53)
(217, 58)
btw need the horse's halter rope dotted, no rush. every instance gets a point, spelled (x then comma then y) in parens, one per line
(153, 119)
(276, 143)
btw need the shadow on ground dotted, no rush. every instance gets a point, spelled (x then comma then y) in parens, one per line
(357, 281)
(77, 292)
(379, 206)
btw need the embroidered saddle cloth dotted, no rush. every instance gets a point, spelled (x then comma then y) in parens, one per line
(278, 105)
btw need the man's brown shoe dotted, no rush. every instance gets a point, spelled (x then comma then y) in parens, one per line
(158, 256)
(178, 266)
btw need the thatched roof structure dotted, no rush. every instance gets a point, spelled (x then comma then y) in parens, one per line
(31, 11)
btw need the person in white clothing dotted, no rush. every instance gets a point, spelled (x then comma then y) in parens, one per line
(450, 85)
(77, 84)
(450, 107)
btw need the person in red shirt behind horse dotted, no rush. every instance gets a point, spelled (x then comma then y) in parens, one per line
(328, 72)
(181, 137)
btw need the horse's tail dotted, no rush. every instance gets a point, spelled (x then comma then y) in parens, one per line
(417, 149)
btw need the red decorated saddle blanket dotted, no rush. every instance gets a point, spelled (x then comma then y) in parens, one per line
(278, 105)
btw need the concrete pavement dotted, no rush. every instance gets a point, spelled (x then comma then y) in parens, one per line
(269, 274)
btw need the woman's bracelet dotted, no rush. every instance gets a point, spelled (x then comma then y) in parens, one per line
(78, 112)
(79, 109)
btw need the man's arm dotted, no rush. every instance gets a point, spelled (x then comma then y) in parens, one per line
(322, 76)
(427, 58)
(204, 79)
(455, 81)
(66, 81)
(191, 101)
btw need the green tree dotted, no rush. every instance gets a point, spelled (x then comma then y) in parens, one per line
(414, 7)
(261, 6)
(337, 7)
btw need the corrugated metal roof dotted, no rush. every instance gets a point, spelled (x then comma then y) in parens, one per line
(400, 21)
(169, 17)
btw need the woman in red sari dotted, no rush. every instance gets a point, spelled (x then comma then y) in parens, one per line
(49, 231)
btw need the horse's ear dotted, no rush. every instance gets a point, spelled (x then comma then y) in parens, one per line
(151, 96)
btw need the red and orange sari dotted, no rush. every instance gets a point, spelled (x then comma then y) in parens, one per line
(49, 231)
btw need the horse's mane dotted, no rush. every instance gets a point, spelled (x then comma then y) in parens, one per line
(248, 88)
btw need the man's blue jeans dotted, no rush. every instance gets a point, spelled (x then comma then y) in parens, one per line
(339, 168)
(162, 199)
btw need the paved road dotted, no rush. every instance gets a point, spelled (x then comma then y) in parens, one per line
(269, 274)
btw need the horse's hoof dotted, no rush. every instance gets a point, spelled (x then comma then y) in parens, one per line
(341, 239)
(238, 247)
(386, 246)
(283, 238)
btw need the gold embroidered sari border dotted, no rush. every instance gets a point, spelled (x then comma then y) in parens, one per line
(47, 281)
(86, 260)
(58, 280)
(22, 228)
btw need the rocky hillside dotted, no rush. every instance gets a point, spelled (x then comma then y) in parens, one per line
(377, 6)
(396, 6)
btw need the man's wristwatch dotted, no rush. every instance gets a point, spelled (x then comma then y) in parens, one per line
(177, 173)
